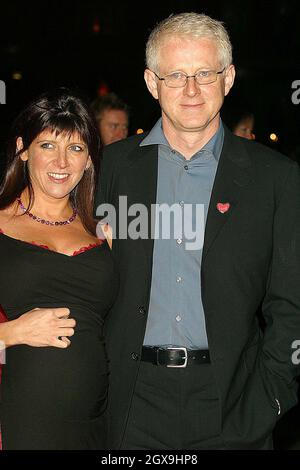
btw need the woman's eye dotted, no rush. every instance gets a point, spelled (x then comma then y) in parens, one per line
(76, 148)
(47, 145)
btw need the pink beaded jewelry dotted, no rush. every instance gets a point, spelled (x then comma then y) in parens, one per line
(47, 222)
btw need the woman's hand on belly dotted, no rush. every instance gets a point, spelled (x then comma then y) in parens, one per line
(42, 327)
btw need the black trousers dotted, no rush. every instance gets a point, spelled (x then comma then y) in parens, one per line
(174, 408)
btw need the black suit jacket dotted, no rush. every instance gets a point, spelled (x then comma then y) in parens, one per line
(251, 259)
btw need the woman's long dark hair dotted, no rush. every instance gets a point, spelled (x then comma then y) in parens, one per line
(58, 111)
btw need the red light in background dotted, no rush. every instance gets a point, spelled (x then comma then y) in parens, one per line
(96, 26)
(103, 89)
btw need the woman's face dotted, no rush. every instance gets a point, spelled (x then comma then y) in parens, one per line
(56, 163)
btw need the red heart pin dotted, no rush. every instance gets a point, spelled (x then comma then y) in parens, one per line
(223, 207)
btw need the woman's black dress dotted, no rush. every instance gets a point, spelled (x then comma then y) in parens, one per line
(55, 398)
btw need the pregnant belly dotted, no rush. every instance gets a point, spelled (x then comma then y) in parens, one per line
(70, 383)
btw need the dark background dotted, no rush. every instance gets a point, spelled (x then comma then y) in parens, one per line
(86, 44)
(94, 45)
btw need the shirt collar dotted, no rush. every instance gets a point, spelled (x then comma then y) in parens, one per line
(214, 145)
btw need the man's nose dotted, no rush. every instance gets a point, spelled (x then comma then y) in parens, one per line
(120, 132)
(192, 88)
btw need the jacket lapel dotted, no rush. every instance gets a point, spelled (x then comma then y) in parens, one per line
(142, 178)
(142, 173)
(233, 174)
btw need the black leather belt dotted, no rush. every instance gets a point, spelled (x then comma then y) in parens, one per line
(174, 357)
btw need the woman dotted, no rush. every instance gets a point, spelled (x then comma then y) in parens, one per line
(53, 267)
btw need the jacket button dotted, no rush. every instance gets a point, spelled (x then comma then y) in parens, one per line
(134, 356)
(142, 310)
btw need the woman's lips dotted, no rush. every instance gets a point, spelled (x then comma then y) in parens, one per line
(58, 178)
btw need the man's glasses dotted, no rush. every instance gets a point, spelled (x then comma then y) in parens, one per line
(179, 79)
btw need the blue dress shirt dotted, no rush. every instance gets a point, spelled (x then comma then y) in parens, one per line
(176, 316)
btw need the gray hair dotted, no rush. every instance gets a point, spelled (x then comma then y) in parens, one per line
(194, 25)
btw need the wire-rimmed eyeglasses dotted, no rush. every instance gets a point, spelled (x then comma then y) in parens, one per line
(179, 79)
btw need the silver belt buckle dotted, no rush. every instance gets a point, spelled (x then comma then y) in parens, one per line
(185, 357)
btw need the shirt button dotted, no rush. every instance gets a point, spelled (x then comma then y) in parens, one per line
(178, 318)
(186, 167)
(173, 151)
(134, 356)
(142, 310)
(179, 241)
(178, 279)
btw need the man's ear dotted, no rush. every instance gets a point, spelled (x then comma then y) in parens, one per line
(229, 78)
(19, 145)
(151, 83)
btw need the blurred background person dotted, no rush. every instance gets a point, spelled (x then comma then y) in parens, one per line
(244, 126)
(239, 120)
(112, 116)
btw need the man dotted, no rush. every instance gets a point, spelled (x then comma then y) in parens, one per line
(112, 116)
(191, 367)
